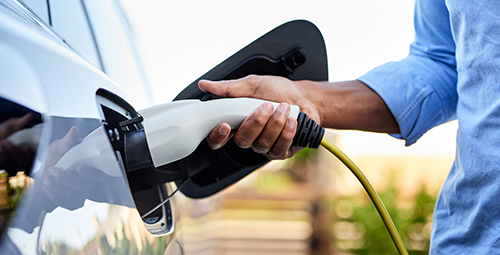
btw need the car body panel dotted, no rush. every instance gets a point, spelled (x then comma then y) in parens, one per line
(41, 72)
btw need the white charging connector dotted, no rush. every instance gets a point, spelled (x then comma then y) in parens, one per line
(174, 130)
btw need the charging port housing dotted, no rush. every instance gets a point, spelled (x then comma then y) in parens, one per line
(146, 196)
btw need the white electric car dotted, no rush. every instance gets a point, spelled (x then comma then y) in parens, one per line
(71, 80)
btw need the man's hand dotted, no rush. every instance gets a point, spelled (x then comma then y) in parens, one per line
(63, 187)
(15, 158)
(341, 105)
(267, 131)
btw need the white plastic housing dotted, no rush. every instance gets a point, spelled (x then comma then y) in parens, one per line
(174, 130)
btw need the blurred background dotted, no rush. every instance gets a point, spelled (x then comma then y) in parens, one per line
(309, 204)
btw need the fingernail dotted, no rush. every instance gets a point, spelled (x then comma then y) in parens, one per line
(259, 149)
(284, 108)
(223, 131)
(271, 155)
(268, 108)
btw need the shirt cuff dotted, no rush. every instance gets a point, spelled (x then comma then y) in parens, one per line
(405, 87)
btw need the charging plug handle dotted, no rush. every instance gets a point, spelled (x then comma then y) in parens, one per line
(308, 132)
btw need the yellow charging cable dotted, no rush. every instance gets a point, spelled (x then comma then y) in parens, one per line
(396, 238)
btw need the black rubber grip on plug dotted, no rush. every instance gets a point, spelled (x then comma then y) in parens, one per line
(308, 132)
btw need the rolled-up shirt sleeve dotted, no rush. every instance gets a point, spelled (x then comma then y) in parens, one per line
(420, 90)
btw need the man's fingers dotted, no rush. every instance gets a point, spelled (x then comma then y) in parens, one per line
(219, 136)
(66, 179)
(59, 147)
(272, 130)
(91, 174)
(281, 149)
(267, 131)
(253, 125)
(70, 138)
(20, 123)
(13, 125)
(68, 141)
(244, 87)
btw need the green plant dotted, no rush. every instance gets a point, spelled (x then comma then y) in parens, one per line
(358, 228)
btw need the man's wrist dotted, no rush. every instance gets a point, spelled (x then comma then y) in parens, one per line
(348, 105)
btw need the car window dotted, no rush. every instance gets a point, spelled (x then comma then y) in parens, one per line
(39, 8)
(69, 19)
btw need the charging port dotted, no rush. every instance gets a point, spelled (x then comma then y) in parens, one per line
(146, 196)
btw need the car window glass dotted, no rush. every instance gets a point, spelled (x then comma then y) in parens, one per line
(20, 130)
(69, 20)
(39, 8)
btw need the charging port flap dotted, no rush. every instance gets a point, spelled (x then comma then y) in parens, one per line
(295, 50)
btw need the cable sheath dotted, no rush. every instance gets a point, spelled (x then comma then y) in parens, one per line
(386, 218)
(164, 201)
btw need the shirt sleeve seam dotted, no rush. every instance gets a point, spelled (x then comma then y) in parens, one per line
(424, 93)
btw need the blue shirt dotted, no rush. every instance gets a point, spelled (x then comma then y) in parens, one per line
(453, 71)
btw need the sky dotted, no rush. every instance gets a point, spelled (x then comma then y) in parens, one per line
(181, 40)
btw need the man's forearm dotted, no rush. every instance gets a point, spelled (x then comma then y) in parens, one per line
(349, 105)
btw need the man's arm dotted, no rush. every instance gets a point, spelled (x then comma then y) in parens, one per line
(340, 105)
